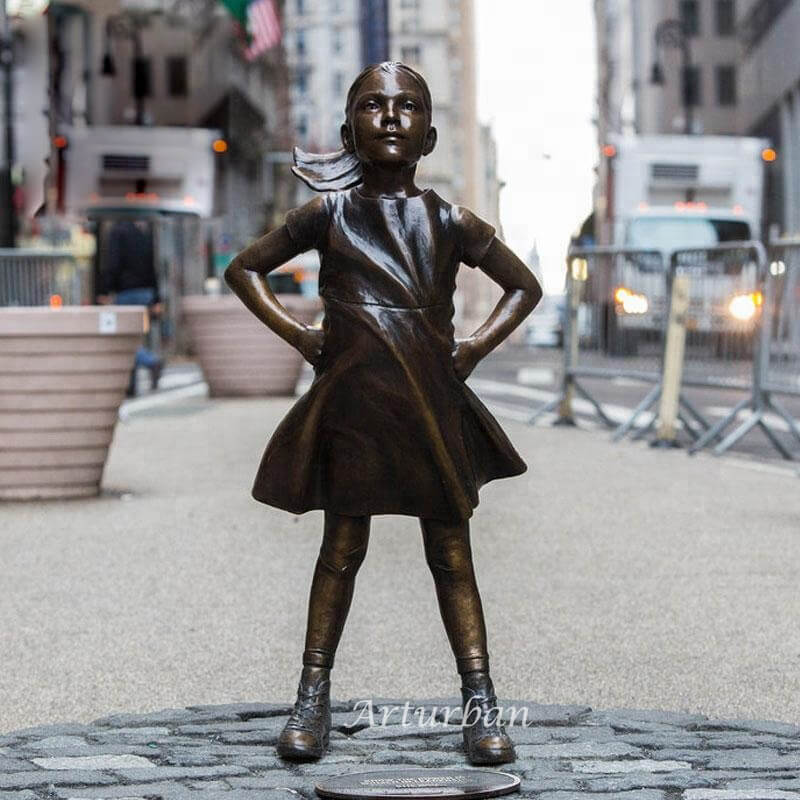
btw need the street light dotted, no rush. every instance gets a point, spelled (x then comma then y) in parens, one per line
(672, 33)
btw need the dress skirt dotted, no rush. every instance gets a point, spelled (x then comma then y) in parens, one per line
(386, 427)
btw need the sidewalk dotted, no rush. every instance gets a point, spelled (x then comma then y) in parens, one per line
(612, 576)
(565, 753)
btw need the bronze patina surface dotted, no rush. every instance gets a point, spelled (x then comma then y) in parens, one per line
(388, 425)
(419, 783)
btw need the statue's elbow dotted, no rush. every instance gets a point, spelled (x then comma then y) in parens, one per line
(232, 273)
(533, 294)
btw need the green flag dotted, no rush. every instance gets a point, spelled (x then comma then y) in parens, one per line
(238, 10)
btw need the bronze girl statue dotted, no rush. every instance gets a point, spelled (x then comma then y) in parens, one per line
(388, 425)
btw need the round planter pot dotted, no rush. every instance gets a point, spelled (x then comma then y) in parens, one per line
(63, 375)
(239, 355)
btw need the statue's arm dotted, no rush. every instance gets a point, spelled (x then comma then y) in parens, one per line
(521, 293)
(247, 277)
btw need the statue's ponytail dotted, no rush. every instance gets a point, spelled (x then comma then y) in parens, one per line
(327, 172)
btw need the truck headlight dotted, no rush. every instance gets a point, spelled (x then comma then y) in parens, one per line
(744, 306)
(629, 302)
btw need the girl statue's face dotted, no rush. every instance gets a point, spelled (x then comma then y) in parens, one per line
(389, 125)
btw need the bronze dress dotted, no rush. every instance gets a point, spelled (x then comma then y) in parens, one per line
(386, 427)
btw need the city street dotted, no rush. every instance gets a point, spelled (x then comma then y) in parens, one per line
(518, 380)
(612, 575)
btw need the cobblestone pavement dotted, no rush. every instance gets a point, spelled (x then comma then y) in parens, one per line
(227, 752)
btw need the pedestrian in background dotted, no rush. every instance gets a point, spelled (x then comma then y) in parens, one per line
(129, 279)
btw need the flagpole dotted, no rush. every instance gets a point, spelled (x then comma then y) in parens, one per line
(7, 62)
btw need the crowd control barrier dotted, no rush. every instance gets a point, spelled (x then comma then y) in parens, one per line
(714, 317)
(42, 278)
(599, 342)
(776, 361)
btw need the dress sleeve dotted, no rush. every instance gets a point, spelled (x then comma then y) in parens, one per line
(474, 235)
(308, 224)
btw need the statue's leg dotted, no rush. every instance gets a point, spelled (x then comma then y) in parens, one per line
(344, 545)
(449, 556)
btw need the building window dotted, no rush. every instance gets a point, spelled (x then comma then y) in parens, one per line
(725, 18)
(302, 125)
(300, 7)
(301, 82)
(338, 83)
(141, 77)
(336, 40)
(410, 25)
(410, 54)
(692, 94)
(690, 17)
(336, 6)
(177, 76)
(300, 42)
(726, 85)
(409, 3)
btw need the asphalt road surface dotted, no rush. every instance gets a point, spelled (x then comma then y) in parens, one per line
(517, 380)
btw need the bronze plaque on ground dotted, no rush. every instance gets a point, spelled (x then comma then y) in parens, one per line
(422, 783)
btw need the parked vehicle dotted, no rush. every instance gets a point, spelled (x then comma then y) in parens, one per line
(670, 193)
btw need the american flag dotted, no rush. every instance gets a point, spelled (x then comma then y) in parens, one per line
(263, 26)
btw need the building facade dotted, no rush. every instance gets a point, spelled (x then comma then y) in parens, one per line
(144, 63)
(770, 98)
(668, 68)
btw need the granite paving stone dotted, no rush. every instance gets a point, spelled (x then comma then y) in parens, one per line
(161, 789)
(631, 765)
(14, 765)
(740, 794)
(647, 794)
(94, 762)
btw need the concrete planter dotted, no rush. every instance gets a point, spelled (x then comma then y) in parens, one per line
(63, 374)
(239, 355)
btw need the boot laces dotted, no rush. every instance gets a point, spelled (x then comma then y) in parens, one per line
(309, 707)
(479, 707)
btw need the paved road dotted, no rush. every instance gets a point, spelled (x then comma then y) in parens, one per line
(612, 576)
(519, 380)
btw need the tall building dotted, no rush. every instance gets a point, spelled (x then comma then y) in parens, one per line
(323, 44)
(660, 63)
(770, 98)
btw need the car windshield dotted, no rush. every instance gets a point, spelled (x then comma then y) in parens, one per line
(666, 233)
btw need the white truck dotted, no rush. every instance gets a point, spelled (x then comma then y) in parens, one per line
(668, 193)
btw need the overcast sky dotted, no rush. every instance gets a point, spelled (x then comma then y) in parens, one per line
(536, 85)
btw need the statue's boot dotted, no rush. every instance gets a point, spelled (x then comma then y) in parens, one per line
(305, 736)
(485, 739)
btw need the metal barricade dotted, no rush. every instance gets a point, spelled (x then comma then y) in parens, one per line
(782, 368)
(43, 277)
(777, 364)
(725, 309)
(622, 303)
(616, 311)
(776, 361)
